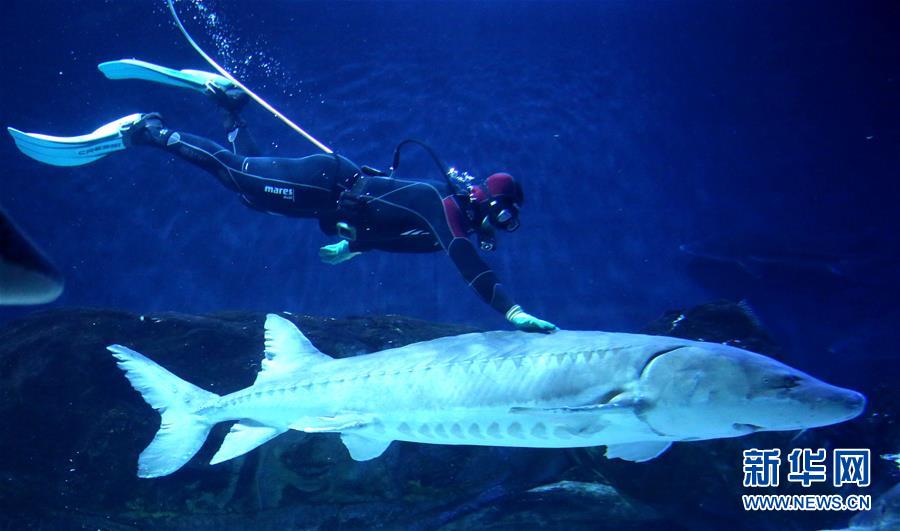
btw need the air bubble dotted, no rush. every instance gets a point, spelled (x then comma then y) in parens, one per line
(243, 59)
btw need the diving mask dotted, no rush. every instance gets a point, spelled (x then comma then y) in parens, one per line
(504, 213)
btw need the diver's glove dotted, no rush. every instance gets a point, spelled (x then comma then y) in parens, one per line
(527, 322)
(336, 253)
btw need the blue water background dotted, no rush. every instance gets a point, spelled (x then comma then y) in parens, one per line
(636, 127)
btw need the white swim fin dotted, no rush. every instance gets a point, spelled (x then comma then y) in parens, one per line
(74, 150)
(190, 79)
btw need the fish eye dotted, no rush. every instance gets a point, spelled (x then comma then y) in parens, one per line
(782, 382)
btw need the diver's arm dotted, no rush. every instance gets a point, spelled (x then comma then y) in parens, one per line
(449, 224)
(485, 282)
(478, 275)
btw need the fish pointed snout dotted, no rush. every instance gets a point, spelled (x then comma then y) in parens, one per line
(837, 403)
(855, 403)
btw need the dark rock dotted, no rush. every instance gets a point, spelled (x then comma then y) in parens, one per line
(568, 505)
(884, 515)
(725, 322)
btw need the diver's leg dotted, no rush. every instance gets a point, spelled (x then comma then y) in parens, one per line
(231, 102)
(199, 151)
(224, 93)
(300, 187)
(239, 138)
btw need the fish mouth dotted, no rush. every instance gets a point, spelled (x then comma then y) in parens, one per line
(746, 428)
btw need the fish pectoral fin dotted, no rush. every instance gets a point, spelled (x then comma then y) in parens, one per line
(330, 424)
(363, 448)
(637, 452)
(243, 437)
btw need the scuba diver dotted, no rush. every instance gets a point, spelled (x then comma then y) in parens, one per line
(366, 209)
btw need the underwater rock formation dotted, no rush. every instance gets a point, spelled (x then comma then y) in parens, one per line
(884, 516)
(68, 454)
(719, 322)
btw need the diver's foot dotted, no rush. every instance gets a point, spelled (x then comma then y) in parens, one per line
(148, 130)
(230, 98)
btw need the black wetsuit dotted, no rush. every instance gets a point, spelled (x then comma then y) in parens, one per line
(384, 213)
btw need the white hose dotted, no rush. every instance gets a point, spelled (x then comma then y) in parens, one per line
(252, 94)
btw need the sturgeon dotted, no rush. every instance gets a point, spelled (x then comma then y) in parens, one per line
(635, 394)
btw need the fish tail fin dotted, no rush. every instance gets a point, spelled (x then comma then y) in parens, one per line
(182, 430)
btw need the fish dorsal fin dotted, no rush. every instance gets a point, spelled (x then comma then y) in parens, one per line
(287, 350)
(637, 451)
